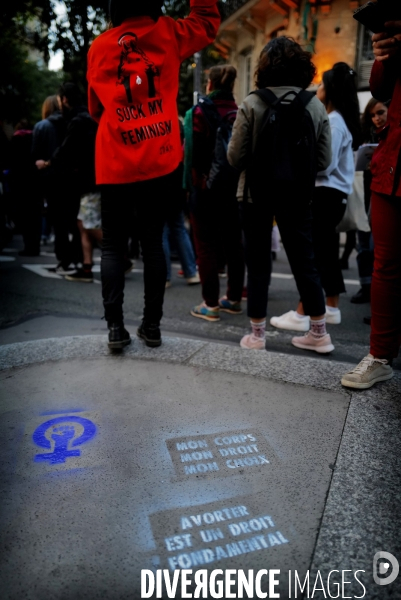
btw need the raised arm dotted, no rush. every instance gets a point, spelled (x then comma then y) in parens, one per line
(198, 29)
(386, 69)
(383, 78)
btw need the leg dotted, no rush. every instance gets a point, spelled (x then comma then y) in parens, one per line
(255, 220)
(75, 246)
(206, 247)
(184, 245)
(255, 224)
(57, 206)
(328, 209)
(349, 246)
(152, 199)
(234, 250)
(117, 201)
(87, 247)
(385, 336)
(166, 250)
(295, 226)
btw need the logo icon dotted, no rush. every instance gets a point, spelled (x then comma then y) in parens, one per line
(65, 432)
(381, 568)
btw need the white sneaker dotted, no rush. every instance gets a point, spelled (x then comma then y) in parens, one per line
(291, 321)
(369, 371)
(333, 318)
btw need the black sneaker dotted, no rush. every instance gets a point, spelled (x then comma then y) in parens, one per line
(118, 336)
(150, 334)
(80, 275)
(362, 296)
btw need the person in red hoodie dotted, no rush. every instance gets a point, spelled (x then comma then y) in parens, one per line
(385, 338)
(133, 77)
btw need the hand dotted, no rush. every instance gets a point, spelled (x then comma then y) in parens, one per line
(386, 45)
(41, 164)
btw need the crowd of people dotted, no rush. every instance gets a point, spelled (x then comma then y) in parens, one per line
(285, 156)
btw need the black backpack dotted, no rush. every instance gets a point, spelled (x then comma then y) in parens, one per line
(285, 156)
(222, 176)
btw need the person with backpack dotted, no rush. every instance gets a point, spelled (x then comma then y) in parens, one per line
(338, 93)
(73, 167)
(48, 135)
(133, 76)
(213, 183)
(281, 139)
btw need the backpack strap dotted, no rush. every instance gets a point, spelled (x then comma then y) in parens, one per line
(271, 99)
(305, 97)
(267, 96)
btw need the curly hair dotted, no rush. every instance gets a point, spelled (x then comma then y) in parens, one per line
(283, 62)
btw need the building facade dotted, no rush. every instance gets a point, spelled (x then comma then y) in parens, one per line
(325, 27)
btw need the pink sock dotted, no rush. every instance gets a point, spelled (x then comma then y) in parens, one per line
(258, 329)
(318, 328)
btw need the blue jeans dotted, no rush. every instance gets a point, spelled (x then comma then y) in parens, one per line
(175, 226)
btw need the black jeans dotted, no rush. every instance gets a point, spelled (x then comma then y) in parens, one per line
(328, 209)
(147, 202)
(294, 218)
(63, 211)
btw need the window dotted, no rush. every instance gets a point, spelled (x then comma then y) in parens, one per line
(365, 58)
(246, 79)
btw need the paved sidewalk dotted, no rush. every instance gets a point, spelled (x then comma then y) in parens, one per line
(193, 455)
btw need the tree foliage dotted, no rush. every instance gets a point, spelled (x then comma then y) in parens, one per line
(68, 26)
(24, 79)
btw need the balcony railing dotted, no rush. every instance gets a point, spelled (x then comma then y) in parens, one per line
(228, 7)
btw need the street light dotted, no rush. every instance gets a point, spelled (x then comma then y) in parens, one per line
(197, 66)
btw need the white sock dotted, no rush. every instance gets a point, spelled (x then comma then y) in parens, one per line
(301, 317)
(331, 309)
(258, 329)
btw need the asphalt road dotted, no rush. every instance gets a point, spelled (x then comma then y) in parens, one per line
(27, 295)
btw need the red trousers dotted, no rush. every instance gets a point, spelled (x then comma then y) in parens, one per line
(385, 338)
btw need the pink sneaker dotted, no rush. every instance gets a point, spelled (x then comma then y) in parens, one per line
(309, 342)
(251, 342)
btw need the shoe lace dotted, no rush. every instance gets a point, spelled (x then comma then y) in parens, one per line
(366, 363)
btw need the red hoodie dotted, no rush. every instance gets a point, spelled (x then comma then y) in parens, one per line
(133, 73)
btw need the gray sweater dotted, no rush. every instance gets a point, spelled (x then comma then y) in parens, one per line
(249, 120)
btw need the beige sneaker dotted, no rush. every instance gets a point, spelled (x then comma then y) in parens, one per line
(308, 341)
(194, 280)
(369, 371)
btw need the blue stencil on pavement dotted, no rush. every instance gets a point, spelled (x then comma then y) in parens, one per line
(63, 433)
